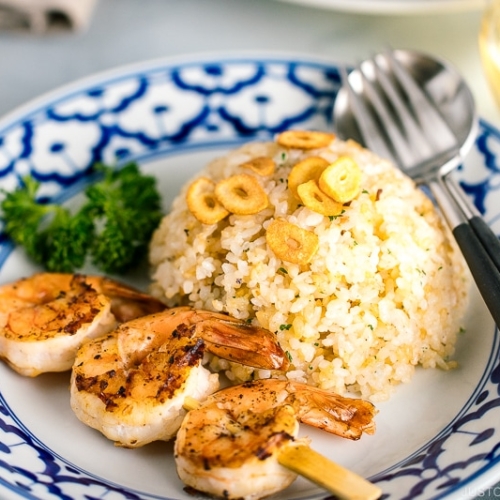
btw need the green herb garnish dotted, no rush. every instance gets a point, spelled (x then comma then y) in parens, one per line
(112, 228)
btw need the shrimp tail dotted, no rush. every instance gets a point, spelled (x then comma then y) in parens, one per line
(346, 417)
(127, 303)
(237, 341)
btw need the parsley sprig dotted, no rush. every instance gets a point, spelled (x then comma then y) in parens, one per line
(112, 228)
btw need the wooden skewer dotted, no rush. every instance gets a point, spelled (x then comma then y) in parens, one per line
(343, 483)
(303, 460)
(190, 403)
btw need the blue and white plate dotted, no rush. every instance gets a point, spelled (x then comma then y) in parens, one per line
(438, 437)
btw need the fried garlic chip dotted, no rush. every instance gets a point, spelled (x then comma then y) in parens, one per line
(313, 198)
(304, 139)
(341, 180)
(241, 194)
(203, 204)
(291, 243)
(263, 165)
(309, 169)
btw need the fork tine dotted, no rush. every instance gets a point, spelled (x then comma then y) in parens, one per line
(431, 122)
(368, 127)
(422, 148)
(405, 153)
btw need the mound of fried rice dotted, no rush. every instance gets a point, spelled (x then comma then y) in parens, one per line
(386, 291)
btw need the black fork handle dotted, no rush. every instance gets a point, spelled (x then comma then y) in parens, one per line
(482, 267)
(488, 238)
(485, 272)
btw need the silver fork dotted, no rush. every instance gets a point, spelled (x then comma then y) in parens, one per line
(399, 121)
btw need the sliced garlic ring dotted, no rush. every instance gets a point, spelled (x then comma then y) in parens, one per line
(313, 198)
(241, 194)
(341, 180)
(203, 204)
(309, 169)
(263, 165)
(291, 243)
(304, 139)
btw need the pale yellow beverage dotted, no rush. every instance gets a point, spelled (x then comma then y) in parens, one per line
(489, 45)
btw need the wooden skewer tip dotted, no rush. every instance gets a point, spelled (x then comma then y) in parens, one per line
(343, 483)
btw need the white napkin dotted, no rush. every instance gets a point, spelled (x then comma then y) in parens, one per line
(44, 16)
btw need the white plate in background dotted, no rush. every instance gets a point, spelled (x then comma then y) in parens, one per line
(394, 6)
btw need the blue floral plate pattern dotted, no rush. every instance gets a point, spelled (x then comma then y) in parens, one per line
(438, 437)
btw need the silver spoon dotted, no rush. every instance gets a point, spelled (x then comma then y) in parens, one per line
(367, 110)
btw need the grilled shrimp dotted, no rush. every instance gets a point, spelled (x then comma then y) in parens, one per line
(45, 318)
(131, 384)
(126, 302)
(229, 446)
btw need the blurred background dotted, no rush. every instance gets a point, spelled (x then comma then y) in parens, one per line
(37, 56)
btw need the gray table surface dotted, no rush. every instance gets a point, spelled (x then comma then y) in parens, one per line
(129, 31)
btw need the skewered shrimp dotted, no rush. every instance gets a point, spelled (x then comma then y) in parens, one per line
(131, 384)
(230, 445)
(45, 318)
(126, 302)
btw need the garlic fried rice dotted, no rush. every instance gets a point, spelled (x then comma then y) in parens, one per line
(377, 288)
